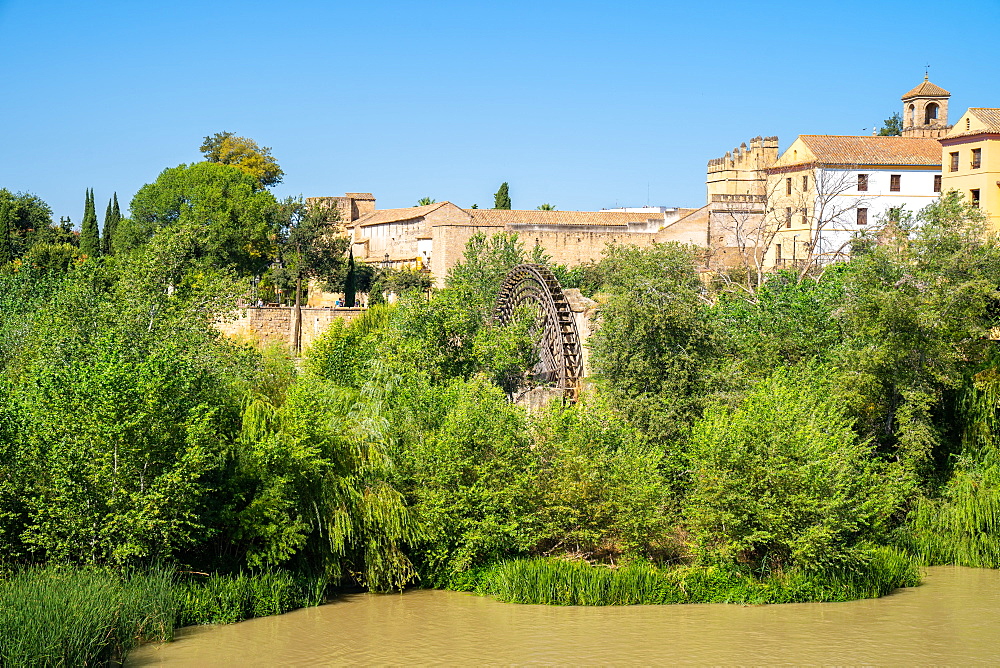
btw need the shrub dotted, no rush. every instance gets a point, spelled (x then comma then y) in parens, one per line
(783, 480)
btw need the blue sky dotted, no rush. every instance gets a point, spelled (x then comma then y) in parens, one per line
(580, 104)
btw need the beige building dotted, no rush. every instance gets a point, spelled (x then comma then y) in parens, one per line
(736, 203)
(433, 237)
(971, 161)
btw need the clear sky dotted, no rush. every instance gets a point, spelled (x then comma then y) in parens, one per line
(581, 104)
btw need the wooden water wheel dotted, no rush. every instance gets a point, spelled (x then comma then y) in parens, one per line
(534, 288)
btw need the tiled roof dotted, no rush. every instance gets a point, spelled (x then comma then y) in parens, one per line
(869, 150)
(394, 215)
(927, 89)
(985, 115)
(500, 217)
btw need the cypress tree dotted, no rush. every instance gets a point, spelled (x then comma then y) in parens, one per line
(111, 219)
(350, 283)
(90, 236)
(501, 200)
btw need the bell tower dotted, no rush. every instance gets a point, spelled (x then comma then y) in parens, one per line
(925, 111)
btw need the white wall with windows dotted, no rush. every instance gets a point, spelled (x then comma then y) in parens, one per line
(859, 199)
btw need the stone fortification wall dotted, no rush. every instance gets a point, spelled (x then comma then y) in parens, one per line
(275, 324)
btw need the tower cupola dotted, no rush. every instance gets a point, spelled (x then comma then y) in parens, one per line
(925, 111)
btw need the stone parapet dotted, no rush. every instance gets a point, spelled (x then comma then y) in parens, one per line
(276, 324)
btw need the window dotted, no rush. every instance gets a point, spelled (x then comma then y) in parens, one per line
(805, 217)
(862, 183)
(930, 113)
(937, 183)
(975, 197)
(977, 158)
(954, 161)
(805, 183)
(788, 216)
(894, 180)
(862, 216)
(777, 252)
(788, 186)
(968, 123)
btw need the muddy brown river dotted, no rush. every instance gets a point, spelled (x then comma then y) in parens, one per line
(953, 618)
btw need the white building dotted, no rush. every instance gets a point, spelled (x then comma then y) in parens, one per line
(825, 189)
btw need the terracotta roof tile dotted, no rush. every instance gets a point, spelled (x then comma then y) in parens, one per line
(869, 150)
(926, 89)
(394, 215)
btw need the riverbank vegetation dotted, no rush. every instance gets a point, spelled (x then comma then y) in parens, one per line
(812, 440)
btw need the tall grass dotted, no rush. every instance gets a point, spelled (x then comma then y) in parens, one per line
(55, 616)
(65, 616)
(877, 572)
(225, 599)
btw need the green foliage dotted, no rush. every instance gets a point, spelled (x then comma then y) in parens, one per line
(426, 201)
(916, 313)
(471, 482)
(601, 488)
(654, 339)
(892, 126)
(307, 247)
(573, 582)
(90, 239)
(56, 616)
(323, 492)
(783, 481)
(244, 154)
(112, 217)
(501, 200)
(350, 284)
(25, 220)
(546, 207)
(227, 599)
(219, 213)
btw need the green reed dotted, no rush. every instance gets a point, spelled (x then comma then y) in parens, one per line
(225, 599)
(876, 572)
(54, 616)
(68, 616)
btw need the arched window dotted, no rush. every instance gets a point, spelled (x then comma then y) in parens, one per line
(930, 113)
(909, 114)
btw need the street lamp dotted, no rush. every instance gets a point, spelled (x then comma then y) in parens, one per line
(385, 263)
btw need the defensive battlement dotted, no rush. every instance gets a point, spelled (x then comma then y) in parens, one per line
(741, 171)
(747, 157)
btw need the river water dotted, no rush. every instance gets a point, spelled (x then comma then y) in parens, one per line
(953, 618)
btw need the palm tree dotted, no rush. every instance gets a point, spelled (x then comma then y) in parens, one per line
(424, 201)
(546, 207)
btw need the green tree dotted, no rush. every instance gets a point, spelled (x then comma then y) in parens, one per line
(90, 239)
(350, 285)
(892, 126)
(546, 207)
(501, 200)
(112, 217)
(244, 154)
(24, 221)
(222, 212)
(654, 341)
(424, 201)
(784, 481)
(308, 246)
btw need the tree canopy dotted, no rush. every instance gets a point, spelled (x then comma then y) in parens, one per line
(244, 154)
(225, 216)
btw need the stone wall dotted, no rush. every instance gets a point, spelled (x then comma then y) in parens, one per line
(274, 324)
